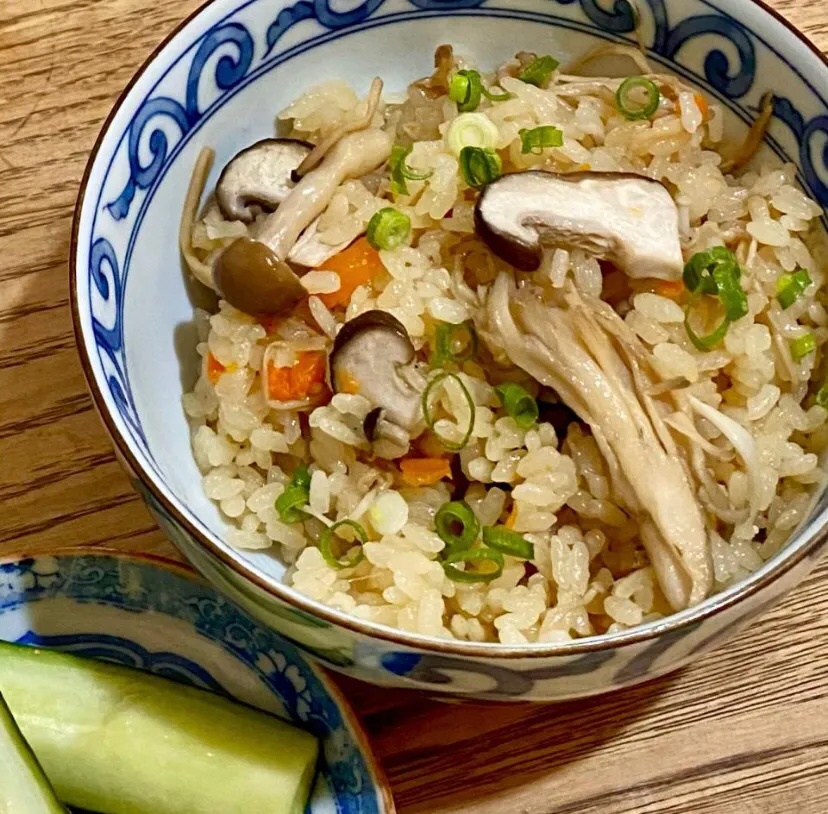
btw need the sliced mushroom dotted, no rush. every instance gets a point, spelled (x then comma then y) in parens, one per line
(252, 275)
(368, 358)
(627, 219)
(258, 179)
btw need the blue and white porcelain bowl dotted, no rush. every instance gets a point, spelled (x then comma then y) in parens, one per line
(155, 615)
(218, 81)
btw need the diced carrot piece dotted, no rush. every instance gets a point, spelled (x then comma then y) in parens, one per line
(356, 266)
(424, 471)
(307, 372)
(346, 383)
(214, 368)
(670, 288)
(299, 381)
(278, 383)
(430, 446)
(701, 103)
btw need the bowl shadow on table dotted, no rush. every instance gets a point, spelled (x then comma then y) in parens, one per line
(466, 750)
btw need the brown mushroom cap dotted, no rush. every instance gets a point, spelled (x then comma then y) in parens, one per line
(628, 219)
(258, 178)
(253, 279)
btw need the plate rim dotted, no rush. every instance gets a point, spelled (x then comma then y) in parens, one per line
(349, 715)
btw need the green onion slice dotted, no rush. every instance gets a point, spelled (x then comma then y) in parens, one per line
(629, 102)
(487, 565)
(508, 542)
(802, 346)
(479, 166)
(296, 495)
(457, 526)
(353, 556)
(700, 269)
(454, 343)
(730, 291)
(538, 71)
(709, 341)
(822, 396)
(466, 90)
(388, 228)
(429, 418)
(301, 477)
(790, 287)
(289, 503)
(537, 139)
(401, 172)
(518, 404)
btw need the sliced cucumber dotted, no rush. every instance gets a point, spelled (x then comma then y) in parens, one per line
(116, 740)
(24, 788)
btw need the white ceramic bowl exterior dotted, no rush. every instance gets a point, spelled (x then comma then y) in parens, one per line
(219, 81)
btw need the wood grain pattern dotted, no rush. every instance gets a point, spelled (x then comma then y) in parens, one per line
(744, 730)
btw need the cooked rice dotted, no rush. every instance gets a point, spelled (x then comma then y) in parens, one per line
(590, 574)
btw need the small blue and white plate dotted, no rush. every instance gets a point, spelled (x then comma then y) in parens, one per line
(155, 615)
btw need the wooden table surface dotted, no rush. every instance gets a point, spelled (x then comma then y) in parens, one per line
(743, 730)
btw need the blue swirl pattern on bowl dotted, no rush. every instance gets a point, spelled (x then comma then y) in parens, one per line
(166, 595)
(737, 60)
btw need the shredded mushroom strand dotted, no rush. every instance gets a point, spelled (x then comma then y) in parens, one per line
(316, 155)
(203, 272)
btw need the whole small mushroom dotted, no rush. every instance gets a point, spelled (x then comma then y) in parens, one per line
(627, 219)
(369, 358)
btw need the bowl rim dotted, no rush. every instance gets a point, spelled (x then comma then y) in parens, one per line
(350, 717)
(750, 586)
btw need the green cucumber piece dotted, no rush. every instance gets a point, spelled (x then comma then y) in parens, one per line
(24, 788)
(117, 740)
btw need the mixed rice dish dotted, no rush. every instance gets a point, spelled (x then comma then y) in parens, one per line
(514, 357)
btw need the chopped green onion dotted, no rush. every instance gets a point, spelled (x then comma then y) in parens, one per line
(790, 287)
(429, 419)
(479, 167)
(802, 346)
(472, 130)
(454, 343)
(822, 396)
(717, 273)
(538, 139)
(289, 502)
(508, 542)
(301, 477)
(631, 108)
(538, 71)
(388, 228)
(296, 495)
(518, 403)
(701, 267)
(489, 565)
(457, 526)
(353, 556)
(730, 292)
(709, 341)
(466, 90)
(401, 172)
